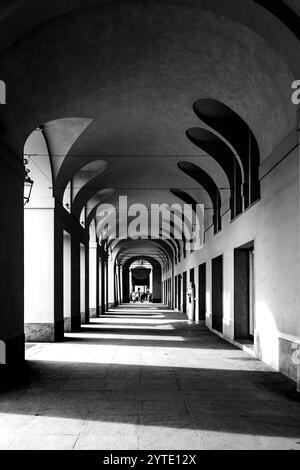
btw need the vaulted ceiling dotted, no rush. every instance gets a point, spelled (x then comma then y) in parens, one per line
(116, 83)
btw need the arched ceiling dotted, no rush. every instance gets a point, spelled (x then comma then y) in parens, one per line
(18, 17)
(156, 249)
(117, 81)
(136, 68)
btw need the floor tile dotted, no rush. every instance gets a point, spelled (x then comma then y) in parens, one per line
(164, 384)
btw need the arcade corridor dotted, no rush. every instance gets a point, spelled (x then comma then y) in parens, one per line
(150, 224)
(143, 377)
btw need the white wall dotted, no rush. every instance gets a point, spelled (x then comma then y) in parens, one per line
(273, 225)
(39, 265)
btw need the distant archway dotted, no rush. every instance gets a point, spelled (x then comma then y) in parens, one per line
(156, 282)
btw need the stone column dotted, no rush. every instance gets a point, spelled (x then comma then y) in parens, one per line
(116, 286)
(67, 280)
(121, 285)
(181, 295)
(298, 346)
(130, 282)
(11, 259)
(93, 266)
(99, 287)
(157, 284)
(76, 316)
(197, 313)
(87, 284)
(82, 283)
(111, 283)
(172, 287)
(151, 281)
(102, 287)
(105, 277)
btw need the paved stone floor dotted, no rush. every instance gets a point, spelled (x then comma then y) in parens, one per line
(142, 377)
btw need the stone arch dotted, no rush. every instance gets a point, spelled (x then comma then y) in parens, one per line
(157, 277)
(236, 131)
(222, 153)
(209, 185)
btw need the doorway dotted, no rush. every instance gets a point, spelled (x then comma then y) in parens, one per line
(184, 292)
(244, 317)
(217, 293)
(202, 291)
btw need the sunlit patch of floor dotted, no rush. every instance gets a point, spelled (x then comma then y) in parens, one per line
(142, 377)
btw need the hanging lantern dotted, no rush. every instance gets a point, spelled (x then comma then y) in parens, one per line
(28, 183)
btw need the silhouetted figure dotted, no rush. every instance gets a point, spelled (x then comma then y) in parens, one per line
(148, 296)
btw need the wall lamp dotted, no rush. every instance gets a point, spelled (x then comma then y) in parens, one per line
(28, 183)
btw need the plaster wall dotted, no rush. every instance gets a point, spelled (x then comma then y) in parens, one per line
(273, 224)
(39, 265)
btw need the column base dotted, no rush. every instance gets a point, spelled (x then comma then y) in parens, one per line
(85, 318)
(44, 332)
(93, 312)
(72, 324)
(67, 325)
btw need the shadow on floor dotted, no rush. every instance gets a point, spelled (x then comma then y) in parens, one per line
(232, 401)
(201, 385)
